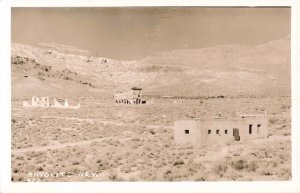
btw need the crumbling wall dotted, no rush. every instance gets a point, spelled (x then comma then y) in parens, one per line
(60, 103)
(40, 101)
(45, 102)
(130, 97)
(25, 104)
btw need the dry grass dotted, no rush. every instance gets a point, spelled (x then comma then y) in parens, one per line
(131, 143)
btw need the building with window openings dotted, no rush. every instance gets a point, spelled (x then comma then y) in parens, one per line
(130, 97)
(199, 132)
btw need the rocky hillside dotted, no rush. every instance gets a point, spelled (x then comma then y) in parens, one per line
(228, 70)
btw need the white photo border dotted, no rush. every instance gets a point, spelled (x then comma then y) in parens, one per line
(140, 187)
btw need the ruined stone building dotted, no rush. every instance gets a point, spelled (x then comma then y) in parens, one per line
(199, 132)
(42, 101)
(62, 103)
(131, 97)
(45, 102)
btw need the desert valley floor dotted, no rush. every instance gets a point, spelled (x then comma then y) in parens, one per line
(118, 142)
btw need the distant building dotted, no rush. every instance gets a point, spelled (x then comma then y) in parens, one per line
(60, 103)
(210, 131)
(40, 101)
(131, 97)
(178, 101)
(45, 103)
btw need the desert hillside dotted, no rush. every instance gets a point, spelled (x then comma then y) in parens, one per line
(229, 70)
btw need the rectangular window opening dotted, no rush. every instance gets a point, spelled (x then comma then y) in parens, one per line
(258, 128)
(226, 131)
(209, 131)
(250, 129)
(217, 131)
(186, 131)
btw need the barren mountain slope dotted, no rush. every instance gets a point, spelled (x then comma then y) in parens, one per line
(220, 70)
(32, 78)
(230, 69)
(51, 69)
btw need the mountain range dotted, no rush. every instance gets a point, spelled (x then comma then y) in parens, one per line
(51, 69)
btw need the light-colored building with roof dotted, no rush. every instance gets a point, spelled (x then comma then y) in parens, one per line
(199, 132)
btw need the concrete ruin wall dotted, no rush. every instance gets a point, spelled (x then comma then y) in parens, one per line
(60, 103)
(130, 97)
(26, 104)
(45, 102)
(40, 101)
(206, 132)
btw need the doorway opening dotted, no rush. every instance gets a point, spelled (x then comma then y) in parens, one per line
(236, 134)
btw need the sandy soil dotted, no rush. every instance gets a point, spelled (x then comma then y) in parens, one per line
(104, 141)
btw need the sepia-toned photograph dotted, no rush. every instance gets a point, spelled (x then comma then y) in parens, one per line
(151, 94)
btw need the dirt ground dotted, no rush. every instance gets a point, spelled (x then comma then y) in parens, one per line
(105, 141)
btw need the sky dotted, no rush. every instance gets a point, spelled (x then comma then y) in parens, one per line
(132, 33)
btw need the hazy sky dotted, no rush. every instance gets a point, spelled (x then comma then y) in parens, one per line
(132, 33)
